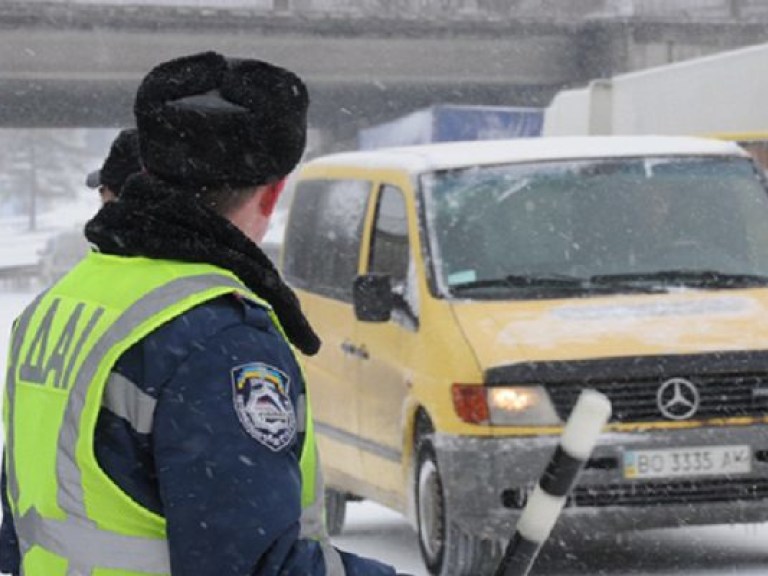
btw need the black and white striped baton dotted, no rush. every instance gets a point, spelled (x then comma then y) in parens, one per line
(589, 415)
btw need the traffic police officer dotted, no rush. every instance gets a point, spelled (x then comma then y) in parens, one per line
(156, 415)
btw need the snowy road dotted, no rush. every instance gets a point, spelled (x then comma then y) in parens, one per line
(375, 531)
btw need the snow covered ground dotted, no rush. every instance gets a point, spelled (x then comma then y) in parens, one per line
(377, 532)
(708, 551)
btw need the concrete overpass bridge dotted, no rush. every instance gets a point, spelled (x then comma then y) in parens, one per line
(78, 64)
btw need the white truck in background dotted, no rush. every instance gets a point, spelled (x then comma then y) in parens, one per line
(721, 96)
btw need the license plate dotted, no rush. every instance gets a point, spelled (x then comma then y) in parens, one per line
(685, 462)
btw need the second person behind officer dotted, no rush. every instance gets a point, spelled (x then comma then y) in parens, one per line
(121, 161)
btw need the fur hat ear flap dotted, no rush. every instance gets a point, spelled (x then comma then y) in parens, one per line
(207, 121)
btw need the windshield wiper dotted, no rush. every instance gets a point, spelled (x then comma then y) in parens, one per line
(553, 279)
(522, 280)
(556, 281)
(683, 277)
(647, 282)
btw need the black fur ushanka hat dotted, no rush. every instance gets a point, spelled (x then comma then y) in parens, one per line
(206, 121)
(122, 161)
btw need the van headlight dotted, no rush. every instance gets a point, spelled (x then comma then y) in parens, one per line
(521, 405)
(504, 405)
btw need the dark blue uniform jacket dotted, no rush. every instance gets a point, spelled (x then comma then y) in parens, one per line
(232, 503)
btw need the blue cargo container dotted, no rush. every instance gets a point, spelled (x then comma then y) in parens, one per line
(449, 123)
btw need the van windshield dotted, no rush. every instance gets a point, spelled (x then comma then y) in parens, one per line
(578, 227)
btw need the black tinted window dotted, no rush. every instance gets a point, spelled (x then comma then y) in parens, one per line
(322, 241)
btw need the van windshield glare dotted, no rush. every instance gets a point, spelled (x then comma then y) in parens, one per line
(659, 219)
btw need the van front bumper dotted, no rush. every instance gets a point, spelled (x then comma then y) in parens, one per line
(486, 481)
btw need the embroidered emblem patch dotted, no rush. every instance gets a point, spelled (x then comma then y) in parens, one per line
(263, 404)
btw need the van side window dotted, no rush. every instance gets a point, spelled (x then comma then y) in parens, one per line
(322, 239)
(390, 254)
(389, 244)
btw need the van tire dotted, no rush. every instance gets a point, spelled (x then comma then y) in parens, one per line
(335, 511)
(446, 549)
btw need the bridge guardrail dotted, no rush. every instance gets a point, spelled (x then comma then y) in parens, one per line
(61, 12)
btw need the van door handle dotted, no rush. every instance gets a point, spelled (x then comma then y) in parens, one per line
(360, 351)
(347, 347)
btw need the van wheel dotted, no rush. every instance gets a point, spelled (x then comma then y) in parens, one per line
(445, 548)
(335, 511)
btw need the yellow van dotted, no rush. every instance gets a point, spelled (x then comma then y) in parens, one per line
(465, 294)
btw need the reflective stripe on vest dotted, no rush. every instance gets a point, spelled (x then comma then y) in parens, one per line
(77, 538)
(126, 400)
(88, 547)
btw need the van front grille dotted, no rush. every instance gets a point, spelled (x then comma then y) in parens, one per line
(670, 492)
(635, 400)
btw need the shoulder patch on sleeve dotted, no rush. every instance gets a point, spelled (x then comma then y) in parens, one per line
(260, 393)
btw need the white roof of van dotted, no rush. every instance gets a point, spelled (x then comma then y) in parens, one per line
(447, 155)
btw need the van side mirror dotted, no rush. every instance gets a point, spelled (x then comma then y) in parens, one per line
(372, 297)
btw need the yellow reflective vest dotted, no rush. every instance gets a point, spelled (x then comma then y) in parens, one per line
(70, 517)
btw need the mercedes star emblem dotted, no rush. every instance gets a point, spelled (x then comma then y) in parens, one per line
(678, 399)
